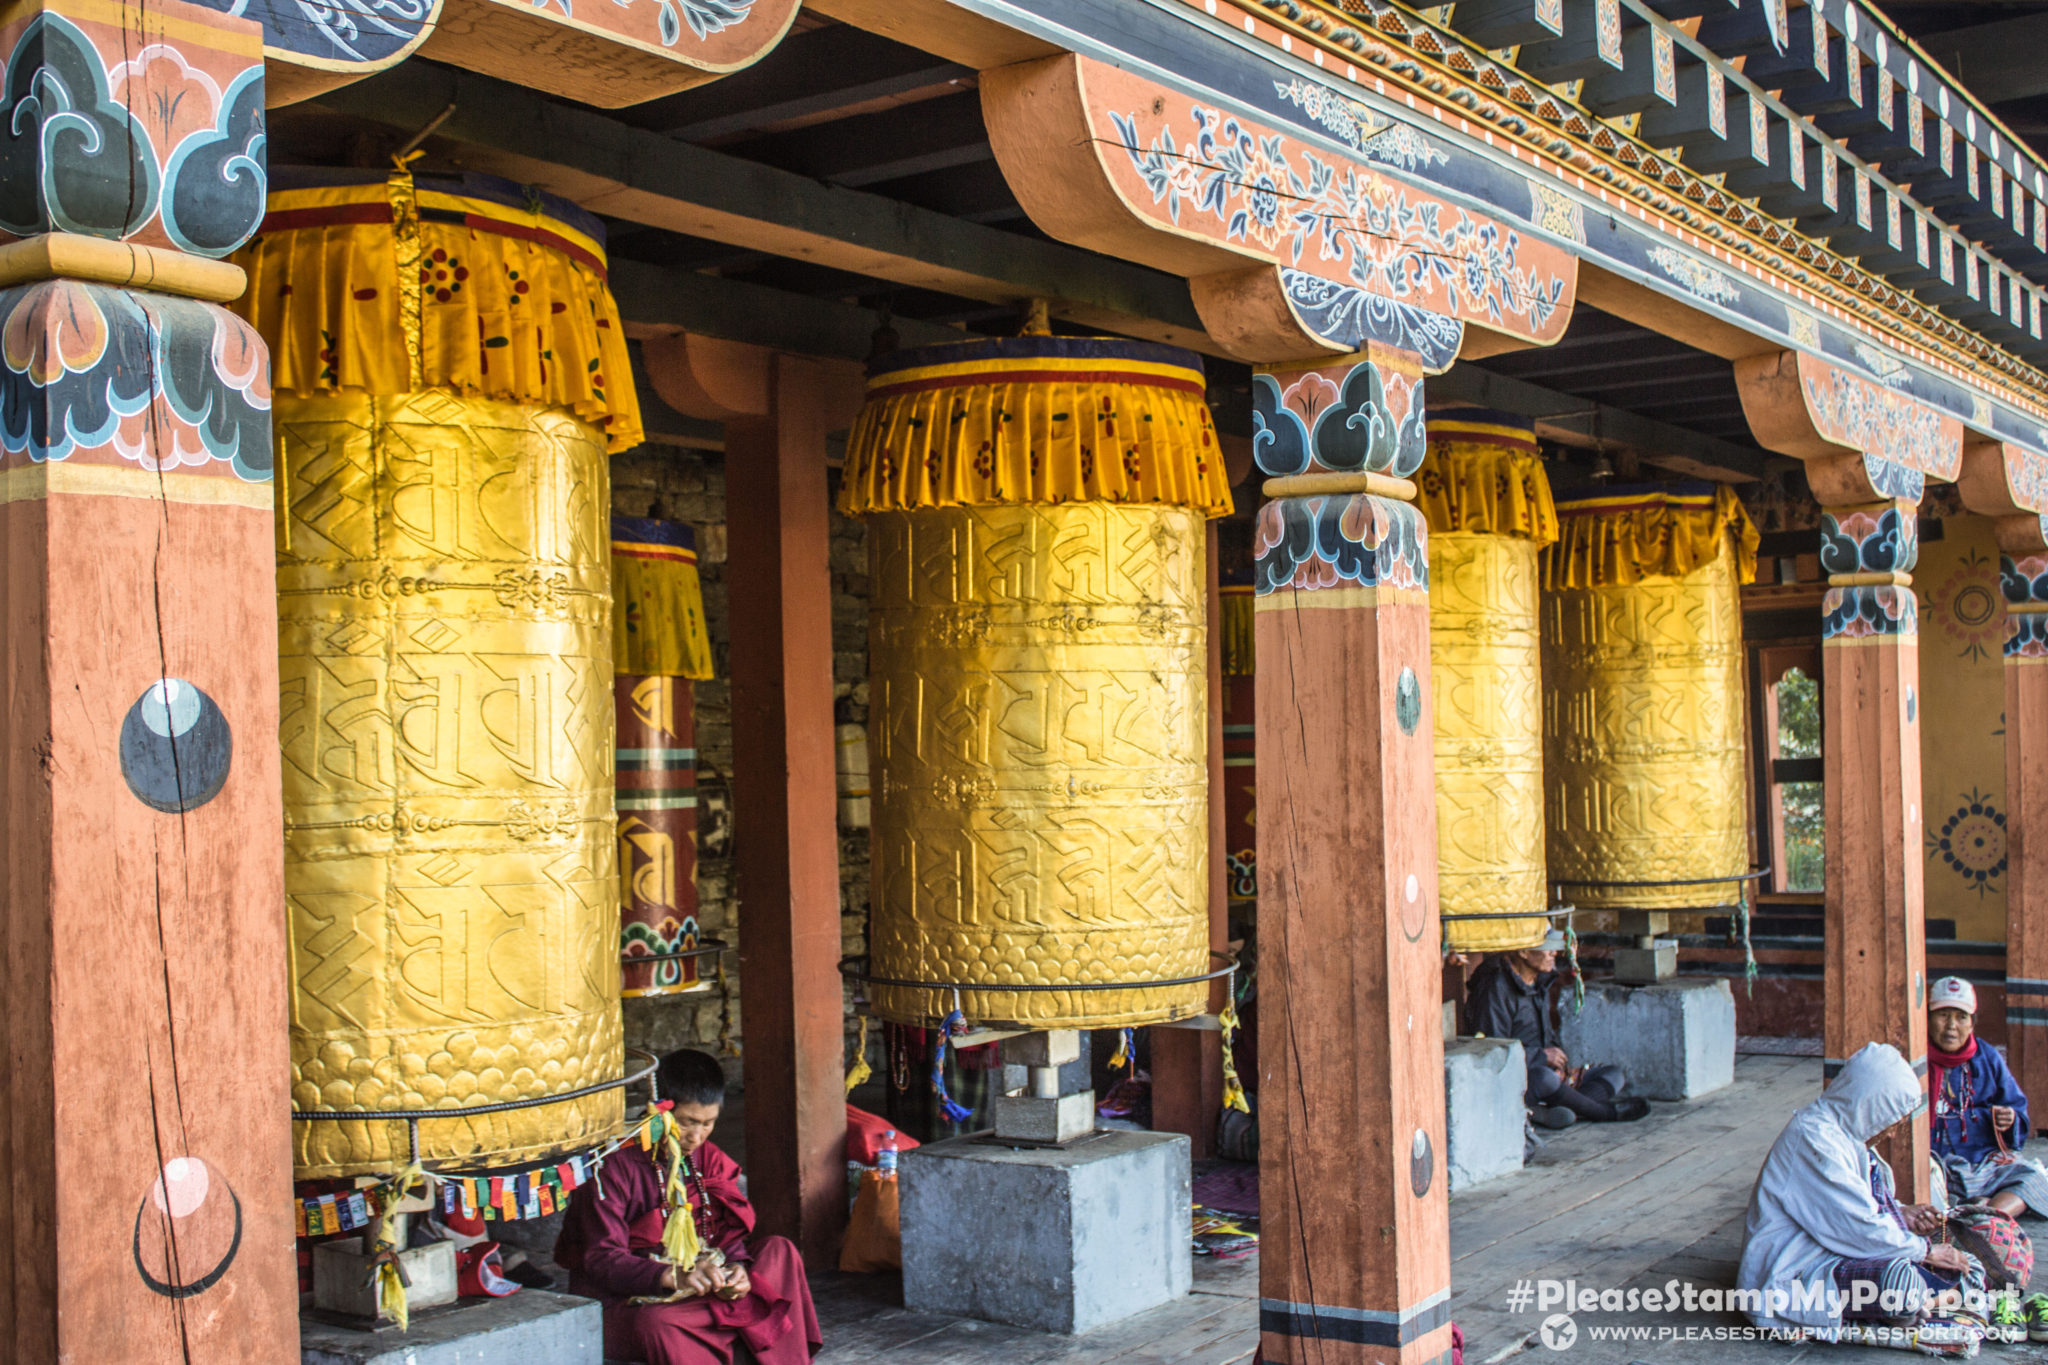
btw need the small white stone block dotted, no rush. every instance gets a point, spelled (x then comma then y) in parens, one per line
(1484, 1081)
(1646, 966)
(1054, 1047)
(341, 1270)
(1673, 1040)
(1028, 1118)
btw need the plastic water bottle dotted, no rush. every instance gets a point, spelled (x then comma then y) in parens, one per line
(885, 1156)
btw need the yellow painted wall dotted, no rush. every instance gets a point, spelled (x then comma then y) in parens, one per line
(1962, 728)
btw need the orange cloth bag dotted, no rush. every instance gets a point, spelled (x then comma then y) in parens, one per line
(874, 1235)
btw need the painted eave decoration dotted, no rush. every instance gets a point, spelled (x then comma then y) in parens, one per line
(603, 52)
(1462, 126)
(1333, 250)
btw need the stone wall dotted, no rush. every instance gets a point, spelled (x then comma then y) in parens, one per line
(689, 485)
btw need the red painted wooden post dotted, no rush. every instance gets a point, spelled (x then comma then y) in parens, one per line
(786, 847)
(1876, 925)
(145, 1130)
(1354, 1260)
(2026, 822)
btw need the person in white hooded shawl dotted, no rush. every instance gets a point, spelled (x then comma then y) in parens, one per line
(1823, 1213)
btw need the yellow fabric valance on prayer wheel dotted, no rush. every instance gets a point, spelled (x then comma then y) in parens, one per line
(658, 627)
(1038, 679)
(370, 283)
(1483, 489)
(1038, 421)
(1643, 695)
(445, 643)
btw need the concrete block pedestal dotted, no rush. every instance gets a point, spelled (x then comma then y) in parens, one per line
(1674, 1040)
(531, 1326)
(1057, 1239)
(1484, 1080)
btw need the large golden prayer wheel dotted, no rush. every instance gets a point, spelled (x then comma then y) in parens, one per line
(1643, 695)
(445, 638)
(1038, 679)
(1483, 489)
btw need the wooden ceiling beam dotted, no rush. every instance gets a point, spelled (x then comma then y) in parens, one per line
(619, 171)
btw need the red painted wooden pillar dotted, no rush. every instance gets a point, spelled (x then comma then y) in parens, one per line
(1876, 926)
(777, 411)
(145, 1130)
(1187, 1064)
(786, 835)
(1354, 1260)
(2025, 579)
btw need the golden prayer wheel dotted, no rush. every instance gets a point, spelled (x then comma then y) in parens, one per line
(1483, 489)
(1038, 679)
(445, 639)
(1643, 695)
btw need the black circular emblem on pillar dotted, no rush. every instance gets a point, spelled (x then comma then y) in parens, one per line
(184, 1193)
(1407, 701)
(1421, 1164)
(176, 748)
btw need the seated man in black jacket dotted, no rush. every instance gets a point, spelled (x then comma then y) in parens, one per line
(1509, 997)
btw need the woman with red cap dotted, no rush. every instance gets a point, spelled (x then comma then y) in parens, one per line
(1979, 1120)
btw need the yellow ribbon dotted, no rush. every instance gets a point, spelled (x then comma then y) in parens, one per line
(406, 248)
(860, 1070)
(391, 1300)
(1233, 1088)
(680, 1245)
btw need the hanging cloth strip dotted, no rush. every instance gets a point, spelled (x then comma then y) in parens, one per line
(955, 1023)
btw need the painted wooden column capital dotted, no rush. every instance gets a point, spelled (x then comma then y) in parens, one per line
(146, 1087)
(1292, 251)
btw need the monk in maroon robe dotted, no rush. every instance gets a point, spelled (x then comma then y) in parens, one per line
(758, 1298)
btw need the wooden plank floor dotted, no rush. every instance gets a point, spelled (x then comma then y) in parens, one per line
(1614, 1206)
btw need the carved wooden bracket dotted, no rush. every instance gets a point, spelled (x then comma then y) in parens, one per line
(2009, 484)
(1292, 252)
(609, 53)
(704, 377)
(1862, 442)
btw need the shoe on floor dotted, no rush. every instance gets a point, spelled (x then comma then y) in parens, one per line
(2035, 1310)
(1552, 1116)
(1629, 1108)
(2008, 1321)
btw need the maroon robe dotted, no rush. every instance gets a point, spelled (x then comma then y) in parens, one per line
(608, 1242)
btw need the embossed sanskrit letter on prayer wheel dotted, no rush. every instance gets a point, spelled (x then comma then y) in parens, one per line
(1643, 694)
(442, 352)
(1038, 657)
(1487, 499)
